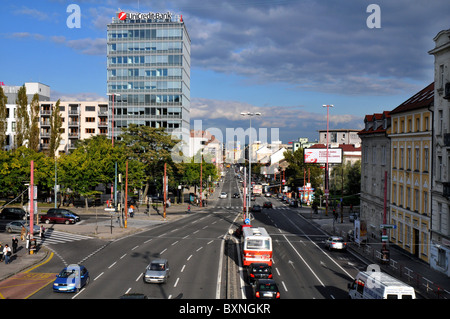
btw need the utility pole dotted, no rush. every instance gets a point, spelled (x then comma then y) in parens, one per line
(327, 191)
(126, 194)
(165, 187)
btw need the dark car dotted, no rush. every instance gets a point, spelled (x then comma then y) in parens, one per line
(267, 205)
(64, 211)
(259, 271)
(236, 195)
(71, 279)
(256, 208)
(13, 213)
(266, 289)
(58, 216)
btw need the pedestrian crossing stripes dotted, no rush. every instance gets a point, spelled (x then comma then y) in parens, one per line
(57, 237)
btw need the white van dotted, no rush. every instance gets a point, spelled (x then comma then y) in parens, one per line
(378, 285)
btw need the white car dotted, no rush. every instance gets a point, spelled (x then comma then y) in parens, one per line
(335, 242)
(223, 195)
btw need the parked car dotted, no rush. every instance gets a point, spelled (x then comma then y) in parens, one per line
(13, 213)
(256, 208)
(71, 279)
(223, 195)
(157, 271)
(335, 242)
(57, 217)
(267, 205)
(66, 212)
(266, 289)
(259, 271)
(16, 227)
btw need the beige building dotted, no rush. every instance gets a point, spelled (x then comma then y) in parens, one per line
(411, 155)
(80, 120)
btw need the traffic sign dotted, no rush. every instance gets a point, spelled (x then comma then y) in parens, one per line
(388, 226)
(247, 221)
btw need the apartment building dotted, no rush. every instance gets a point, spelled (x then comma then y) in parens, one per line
(80, 120)
(411, 156)
(375, 171)
(11, 92)
(440, 231)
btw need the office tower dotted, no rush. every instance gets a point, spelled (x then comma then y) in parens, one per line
(148, 72)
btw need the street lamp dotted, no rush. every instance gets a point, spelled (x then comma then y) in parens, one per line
(250, 114)
(112, 140)
(327, 192)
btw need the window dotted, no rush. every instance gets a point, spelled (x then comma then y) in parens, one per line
(90, 131)
(417, 200)
(402, 156)
(440, 122)
(425, 203)
(441, 77)
(426, 155)
(90, 119)
(417, 161)
(439, 168)
(409, 158)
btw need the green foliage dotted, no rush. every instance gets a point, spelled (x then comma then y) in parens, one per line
(295, 172)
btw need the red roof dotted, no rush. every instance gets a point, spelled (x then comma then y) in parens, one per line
(424, 98)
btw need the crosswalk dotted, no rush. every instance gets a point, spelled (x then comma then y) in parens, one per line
(57, 237)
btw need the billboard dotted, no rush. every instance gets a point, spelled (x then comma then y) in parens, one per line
(319, 155)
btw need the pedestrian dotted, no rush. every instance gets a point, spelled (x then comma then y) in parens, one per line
(22, 233)
(1, 252)
(189, 208)
(42, 232)
(14, 244)
(6, 253)
(130, 211)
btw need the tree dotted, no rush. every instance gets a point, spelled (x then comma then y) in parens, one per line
(55, 129)
(152, 147)
(295, 172)
(22, 117)
(3, 118)
(33, 133)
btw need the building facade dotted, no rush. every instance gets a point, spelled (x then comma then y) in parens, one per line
(80, 120)
(375, 172)
(148, 72)
(440, 232)
(11, 92)
(411, 156)
(339, 136)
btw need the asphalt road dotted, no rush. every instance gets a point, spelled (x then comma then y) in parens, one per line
(303, 268)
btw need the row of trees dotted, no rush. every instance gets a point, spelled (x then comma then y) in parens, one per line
(93, 162)
(27, 122)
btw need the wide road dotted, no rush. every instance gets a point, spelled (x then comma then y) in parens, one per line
(303, 268)
(193, 245)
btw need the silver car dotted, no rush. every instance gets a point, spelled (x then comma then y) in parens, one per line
(16, 227)
(335, 242)
(157, 272)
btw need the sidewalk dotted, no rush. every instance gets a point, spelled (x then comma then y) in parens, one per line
(427, 282)
(22, 260)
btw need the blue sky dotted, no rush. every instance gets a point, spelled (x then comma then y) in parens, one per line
(283, 58)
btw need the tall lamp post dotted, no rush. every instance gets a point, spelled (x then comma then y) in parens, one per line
(113, 190)
(327, 191)
(250, 114)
